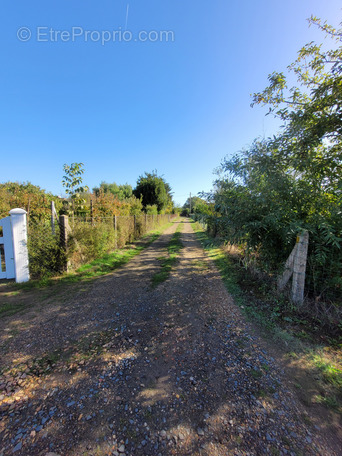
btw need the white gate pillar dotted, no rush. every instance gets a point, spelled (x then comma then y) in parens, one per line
(19, 236)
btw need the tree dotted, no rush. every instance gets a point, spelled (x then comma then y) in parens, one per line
(152, 189)
(122, 192)
(265, 195)
(197, 204)
(36, 201)
(72, 181)
(311, 140)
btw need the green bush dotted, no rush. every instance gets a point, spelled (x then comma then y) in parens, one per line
(46, 258)
(89, 241)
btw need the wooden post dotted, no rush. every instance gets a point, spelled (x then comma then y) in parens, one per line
(53, 210)
(63, 236)
(19, 237)
(65, 228)
(91, 213)
(135, 226)
(115, 233)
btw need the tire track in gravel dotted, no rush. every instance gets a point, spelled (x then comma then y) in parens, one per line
(180, 373)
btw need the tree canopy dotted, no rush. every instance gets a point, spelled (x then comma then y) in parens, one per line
(153, 190)
(32, 198)
(268, 193)
(122, 192)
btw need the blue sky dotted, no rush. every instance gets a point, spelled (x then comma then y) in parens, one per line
(128, 106)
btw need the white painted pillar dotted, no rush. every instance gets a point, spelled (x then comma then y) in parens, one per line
(19, 236)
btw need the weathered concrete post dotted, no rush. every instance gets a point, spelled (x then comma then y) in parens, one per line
(299, 268)
(19, 236)
(295, 266)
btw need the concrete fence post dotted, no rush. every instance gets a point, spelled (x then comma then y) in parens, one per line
(295, 266)
(19, 237)
(299, 269)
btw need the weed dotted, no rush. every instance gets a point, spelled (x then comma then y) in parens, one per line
(329, 401)
(256, 374)
(166, 267)
(8, 309)
(261, 393)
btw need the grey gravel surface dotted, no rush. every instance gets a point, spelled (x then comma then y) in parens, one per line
(171, 370)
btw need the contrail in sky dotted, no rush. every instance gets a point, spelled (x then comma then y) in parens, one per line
(127, 16)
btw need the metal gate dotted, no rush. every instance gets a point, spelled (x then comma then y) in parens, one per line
(7, 270)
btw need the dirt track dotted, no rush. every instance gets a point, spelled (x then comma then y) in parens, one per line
(171, 370)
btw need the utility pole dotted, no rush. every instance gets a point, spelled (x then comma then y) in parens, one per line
(190, 202)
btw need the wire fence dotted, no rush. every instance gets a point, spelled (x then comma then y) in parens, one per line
(46, 255)
(75, 241)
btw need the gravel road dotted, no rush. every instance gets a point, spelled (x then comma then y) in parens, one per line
(170, 370)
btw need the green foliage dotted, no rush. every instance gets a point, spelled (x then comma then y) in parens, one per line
(88, 242)
(36, 201)
(72, 181)
(122, 192)
(151, 209)
(154, 191)
(198, 206)
(269, 193)
(46, 257)
(135, 205)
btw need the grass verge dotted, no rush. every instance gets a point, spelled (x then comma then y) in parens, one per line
(168, 262)
(305, 355)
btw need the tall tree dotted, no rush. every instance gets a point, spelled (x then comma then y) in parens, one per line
(151, 188)
(311, 111)
(72, 181)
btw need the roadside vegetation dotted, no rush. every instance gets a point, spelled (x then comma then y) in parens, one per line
(99, 222)
(270, 193)
(314, 355)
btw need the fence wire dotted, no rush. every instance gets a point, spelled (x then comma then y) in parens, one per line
(46, 257)
(87, 239)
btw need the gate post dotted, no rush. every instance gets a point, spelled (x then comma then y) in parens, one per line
(19, 236)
